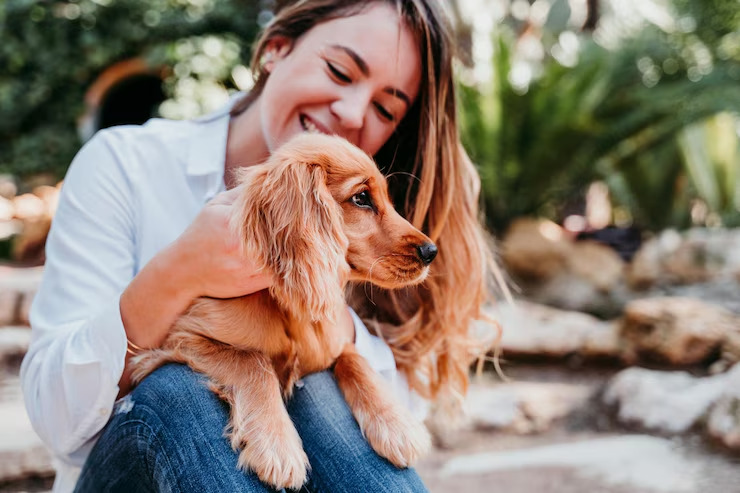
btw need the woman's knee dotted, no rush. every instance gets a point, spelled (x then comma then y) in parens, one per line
(173, 386)
(170, 429)
(341, 459)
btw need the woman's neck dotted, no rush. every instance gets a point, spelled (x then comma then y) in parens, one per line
(245, 144)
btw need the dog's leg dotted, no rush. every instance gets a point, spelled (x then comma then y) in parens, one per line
(260, 425)
(145, 363)
(387, 425)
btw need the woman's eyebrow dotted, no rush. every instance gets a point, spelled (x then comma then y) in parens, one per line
(362, 65)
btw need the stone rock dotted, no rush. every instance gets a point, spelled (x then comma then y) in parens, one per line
(722, 291)
(523, 407)
(537, 330)
(7, 209)
(670, 402)
(17, 289)
(8, 306)
(22, 453)
(645, 269)
(35, 211)
(697, 255)
(24, 309)
(534, 250)
(28, 206)
(14, 342)
(28, 246)
(598, 264)
(20, 279)
(723, 422)
(570, 292)
(551, 268)
(731, 347)
(675, 330)
(8, 186)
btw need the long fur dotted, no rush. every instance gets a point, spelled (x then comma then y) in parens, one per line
(300, 218)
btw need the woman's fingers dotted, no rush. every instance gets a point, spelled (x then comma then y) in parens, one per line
(227, 197)
(259, 281)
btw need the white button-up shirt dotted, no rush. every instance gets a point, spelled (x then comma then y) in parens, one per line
(129, 192)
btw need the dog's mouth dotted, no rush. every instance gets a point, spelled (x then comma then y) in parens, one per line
(389, 276)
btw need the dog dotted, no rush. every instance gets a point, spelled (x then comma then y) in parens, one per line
(317, 215)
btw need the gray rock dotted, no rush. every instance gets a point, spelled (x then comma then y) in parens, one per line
(532, 329)
(723, 423)
(524, 407)
(22, 454)
(670, 402)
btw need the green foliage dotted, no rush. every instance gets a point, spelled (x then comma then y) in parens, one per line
(615, 115)
(51, 51)
(711, 151)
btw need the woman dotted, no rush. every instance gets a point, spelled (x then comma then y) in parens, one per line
(126, 256)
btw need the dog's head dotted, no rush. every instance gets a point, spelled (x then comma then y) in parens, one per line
(318, 215)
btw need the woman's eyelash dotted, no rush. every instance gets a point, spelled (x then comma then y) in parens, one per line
(338, 73)
(342, 77)
(384, 112)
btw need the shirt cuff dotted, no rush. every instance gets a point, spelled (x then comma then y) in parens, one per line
(99, 366)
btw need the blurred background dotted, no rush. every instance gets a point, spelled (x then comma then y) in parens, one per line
(606, 133)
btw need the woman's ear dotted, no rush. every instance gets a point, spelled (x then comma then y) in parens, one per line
(275, 50)
(294, 224)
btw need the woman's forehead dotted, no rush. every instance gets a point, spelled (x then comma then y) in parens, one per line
(380, 38)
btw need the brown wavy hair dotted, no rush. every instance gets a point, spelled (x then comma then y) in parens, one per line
(430, 328)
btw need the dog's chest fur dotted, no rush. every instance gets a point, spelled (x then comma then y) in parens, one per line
(256, 322)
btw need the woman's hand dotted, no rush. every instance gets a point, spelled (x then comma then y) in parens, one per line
(208, 258)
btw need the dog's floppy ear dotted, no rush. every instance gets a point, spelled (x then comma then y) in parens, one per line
(290, 221)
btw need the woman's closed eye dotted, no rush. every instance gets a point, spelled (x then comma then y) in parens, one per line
(363, 200)
(384, 113)
(337, 73)
(343, 78)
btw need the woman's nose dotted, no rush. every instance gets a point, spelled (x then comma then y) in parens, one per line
(350, 110)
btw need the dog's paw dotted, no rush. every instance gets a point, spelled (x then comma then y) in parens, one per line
(397, 436)
(276, 457)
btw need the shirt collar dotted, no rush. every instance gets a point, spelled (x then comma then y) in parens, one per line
(207, 149)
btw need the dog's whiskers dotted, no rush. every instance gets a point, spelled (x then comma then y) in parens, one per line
(390, 175)
(368, 278)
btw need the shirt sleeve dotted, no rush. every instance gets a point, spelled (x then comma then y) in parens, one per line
(76, 357)
(380, 357)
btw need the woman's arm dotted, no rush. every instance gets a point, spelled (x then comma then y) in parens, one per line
(76, 357)
(90, 300)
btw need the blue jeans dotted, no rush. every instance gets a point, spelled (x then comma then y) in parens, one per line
(168, 435)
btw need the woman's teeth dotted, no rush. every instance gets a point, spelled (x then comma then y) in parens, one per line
(309, 126)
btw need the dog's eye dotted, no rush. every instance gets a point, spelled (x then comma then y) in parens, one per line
(362, 199)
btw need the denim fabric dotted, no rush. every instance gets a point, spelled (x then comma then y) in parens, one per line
(168, 436)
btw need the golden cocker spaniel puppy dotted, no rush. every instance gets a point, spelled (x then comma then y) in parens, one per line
(317, 215)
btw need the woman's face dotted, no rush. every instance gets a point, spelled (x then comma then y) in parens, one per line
(353, 76)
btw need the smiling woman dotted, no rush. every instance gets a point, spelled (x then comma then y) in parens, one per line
(331, 80)
(142, 230)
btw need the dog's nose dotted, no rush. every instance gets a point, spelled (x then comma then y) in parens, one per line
(427, 252)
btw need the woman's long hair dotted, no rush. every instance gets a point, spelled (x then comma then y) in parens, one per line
(430, 328)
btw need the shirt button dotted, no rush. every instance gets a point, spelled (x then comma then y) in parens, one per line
(102, 411)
